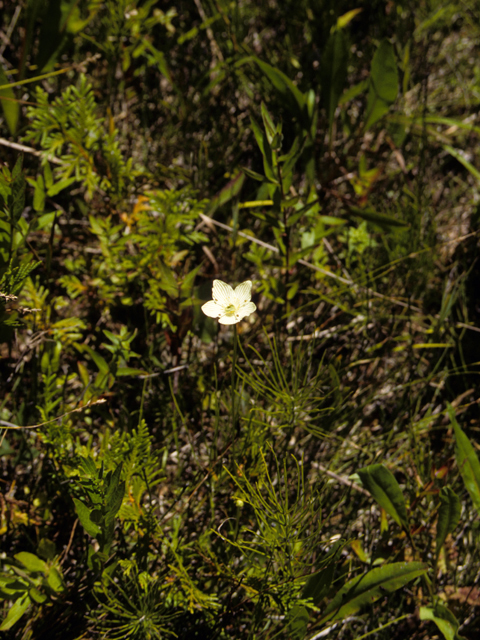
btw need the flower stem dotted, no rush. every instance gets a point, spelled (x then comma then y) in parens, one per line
(234, 379)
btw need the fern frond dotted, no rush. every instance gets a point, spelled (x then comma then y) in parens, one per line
(13, 279)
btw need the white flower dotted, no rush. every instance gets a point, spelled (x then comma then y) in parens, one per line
(230, 306)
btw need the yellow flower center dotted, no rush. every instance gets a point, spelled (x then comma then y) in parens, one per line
(230, 310)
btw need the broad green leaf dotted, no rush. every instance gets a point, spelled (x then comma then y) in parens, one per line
(467, 461)
(297, 622)
(47, 172)
(167, 282)
(15, 612)
(381, 219)
(89, 466)
(31, 562)
(369, 587)
(12, 586)
(46, 548)
(334, 72)
(381, 483)
(39, 195)
(10, 106)
(444, 619)
(359, 551)
(83, 513)
(186, 288)
(383, 86)
(283, 85)
(97, 358)
(293, 288)
(55, 188)
(448, 515)
(36, 595)
(332, 220)
(55, 580)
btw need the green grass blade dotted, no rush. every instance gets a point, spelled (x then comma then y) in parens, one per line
(467, 461)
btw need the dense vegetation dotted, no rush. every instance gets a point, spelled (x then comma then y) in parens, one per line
(312, 471)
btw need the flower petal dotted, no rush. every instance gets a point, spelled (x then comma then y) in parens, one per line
(221, 292)
(245, 310)
(212, 309)
(244, 291)
(228, 319)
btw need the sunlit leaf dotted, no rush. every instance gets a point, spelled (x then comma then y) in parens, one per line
(467, 461)
(381, 483)
(31, 561)
(346, 18)
(83, 513)
(444, 619)
(369, 587)
(15, 612)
